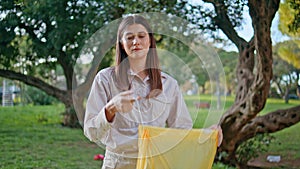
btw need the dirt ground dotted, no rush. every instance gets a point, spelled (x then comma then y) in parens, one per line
(284, 163)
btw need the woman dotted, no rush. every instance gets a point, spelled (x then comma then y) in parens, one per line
(133, 92)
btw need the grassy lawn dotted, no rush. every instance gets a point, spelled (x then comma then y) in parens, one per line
(32, 137)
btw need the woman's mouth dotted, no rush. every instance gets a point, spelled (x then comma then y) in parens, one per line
(136, 49)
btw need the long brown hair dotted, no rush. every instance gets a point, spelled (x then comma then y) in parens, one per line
(152, 61)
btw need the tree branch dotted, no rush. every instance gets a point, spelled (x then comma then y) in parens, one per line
(223, 22)
(271, 122)
(36, 82)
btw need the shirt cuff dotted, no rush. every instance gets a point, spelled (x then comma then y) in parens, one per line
(104, 124)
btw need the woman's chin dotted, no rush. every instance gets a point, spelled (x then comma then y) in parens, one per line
(138, 54)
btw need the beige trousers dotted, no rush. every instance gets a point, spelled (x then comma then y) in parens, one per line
(118, 161)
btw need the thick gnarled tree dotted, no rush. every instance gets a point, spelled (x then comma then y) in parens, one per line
(254, 73)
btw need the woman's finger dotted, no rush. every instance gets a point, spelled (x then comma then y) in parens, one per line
(220, 135)
(126, 93)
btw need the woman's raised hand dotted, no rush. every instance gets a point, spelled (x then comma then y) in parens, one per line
(123, 102)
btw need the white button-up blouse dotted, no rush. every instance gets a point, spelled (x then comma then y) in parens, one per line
(168, 109)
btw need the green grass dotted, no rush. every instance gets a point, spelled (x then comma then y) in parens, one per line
(32, 137)
(200, 116)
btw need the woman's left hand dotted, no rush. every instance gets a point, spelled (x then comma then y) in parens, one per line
(220, 133)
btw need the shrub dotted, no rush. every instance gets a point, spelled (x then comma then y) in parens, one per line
(39, 97)
(253, 147)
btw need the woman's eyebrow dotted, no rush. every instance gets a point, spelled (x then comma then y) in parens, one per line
(130, 33)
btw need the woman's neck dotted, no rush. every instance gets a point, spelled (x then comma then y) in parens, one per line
(138, 67)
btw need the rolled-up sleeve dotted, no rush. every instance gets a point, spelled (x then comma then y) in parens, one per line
(96, 125)
(179, 116)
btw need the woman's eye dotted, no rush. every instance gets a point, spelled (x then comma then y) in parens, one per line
(129, 38)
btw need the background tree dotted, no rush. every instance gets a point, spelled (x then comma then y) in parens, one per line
(254, 70)
(41, 41)
(289, 16)
(290, 52)
(286, 76)
(229, 60)
(187, 65)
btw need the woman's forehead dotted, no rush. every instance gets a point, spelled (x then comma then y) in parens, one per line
(134, 29)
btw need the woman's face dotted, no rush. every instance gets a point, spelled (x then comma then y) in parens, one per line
(136, 41)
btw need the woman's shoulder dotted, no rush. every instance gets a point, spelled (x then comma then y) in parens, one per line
(167, 77)
(107, 70)
(105, 73)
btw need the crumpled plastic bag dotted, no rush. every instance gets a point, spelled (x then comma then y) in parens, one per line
(167, 148)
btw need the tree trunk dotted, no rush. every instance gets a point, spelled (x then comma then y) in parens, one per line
(254, 73)
(286, 93)
(203, 90)
(281, 94)
(70, 118)
(297, 80)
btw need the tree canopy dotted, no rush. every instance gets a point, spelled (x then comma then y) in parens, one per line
(289, 15)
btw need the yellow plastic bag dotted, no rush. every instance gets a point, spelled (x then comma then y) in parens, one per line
(166, 148)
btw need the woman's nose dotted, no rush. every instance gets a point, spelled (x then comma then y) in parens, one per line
(135, 41)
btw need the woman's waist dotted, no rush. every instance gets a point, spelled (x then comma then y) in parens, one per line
(123, 152)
